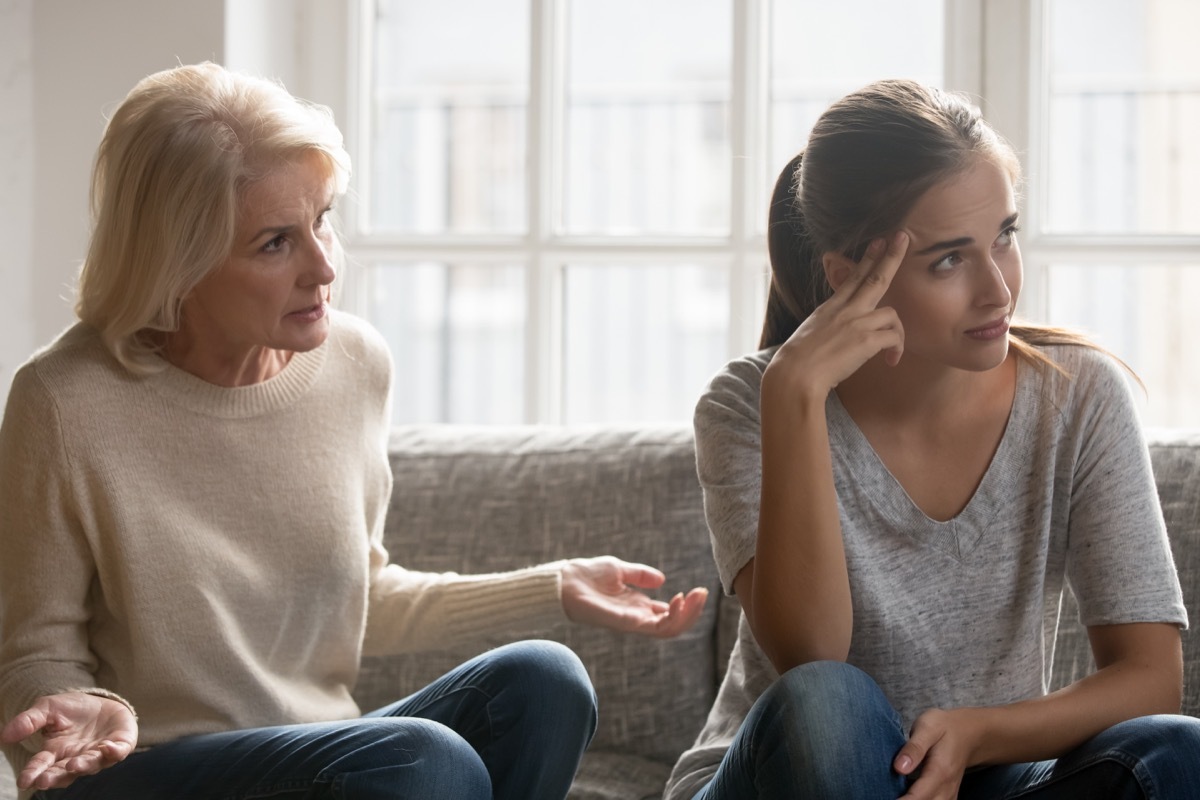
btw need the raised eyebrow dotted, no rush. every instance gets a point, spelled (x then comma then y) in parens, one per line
(963, 241)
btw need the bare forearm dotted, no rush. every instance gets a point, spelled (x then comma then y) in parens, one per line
(801, 594)
(1049, 726)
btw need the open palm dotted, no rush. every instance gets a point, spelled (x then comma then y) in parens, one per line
(81, 734)
(604, 591)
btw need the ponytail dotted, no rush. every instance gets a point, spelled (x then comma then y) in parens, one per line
(798, 283)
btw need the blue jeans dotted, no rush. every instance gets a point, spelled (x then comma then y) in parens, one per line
(512, 723)
(825, 730)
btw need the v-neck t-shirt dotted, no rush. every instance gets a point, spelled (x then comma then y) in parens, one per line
(961, 612)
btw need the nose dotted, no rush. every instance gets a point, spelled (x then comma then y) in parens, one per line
(319, 267)
(992, 289)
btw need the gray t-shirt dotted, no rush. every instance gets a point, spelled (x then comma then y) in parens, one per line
(962, 612)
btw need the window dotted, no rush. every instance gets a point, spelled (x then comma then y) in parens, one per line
(559, 203)
(558, 207)
(1114, 187)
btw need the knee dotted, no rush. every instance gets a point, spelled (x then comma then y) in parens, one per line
(418, 757)
(1162, 736)
(547, 669)
(838, 700)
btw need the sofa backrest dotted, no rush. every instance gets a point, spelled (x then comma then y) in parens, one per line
(490, 499)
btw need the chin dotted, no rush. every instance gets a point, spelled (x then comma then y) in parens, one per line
(310, 339)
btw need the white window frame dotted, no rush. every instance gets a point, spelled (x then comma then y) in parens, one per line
(995, 52)
(1014, 72)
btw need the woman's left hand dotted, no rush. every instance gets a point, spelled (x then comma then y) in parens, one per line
(940, 746)
(604, 592)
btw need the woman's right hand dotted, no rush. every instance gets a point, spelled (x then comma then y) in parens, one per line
(81, 735)
(849, 328)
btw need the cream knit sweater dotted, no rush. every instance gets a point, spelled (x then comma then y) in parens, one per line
(213, 555)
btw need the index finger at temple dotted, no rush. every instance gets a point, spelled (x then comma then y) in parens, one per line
(878, 278)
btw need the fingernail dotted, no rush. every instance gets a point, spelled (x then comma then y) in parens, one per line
(904, 764)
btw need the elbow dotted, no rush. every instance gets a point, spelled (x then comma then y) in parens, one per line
(788, 659)
(788, 648)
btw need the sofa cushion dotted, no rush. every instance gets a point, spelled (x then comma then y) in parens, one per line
(491, 499)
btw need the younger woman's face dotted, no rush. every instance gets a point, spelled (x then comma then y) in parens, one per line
(957, 286)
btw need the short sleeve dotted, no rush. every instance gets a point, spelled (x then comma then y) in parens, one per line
(1119, 562)
(729, 461)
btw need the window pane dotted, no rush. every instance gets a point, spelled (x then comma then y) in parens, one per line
(647, 121)
(809, 70)
(641, 341)
(1124, 107)
(448, 116)
(457, 338)
(1144, 314)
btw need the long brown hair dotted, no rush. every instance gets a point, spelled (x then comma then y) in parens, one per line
(869, 158)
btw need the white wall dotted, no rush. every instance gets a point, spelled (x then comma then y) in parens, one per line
(16, 184)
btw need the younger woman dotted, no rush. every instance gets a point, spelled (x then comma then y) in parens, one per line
(900, 484)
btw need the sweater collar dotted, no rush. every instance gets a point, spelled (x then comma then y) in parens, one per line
(239, 402)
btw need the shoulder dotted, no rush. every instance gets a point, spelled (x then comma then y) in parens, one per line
(76, 363)
(1087, 378)
(356, 337)
(355, 341)
(358, 355)
(735, 388)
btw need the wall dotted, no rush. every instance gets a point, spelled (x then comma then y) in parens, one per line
(16, 184)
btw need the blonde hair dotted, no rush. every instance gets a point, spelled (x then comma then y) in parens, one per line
(170, 172)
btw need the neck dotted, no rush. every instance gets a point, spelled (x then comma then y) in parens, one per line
(229, 368)
(916, 391)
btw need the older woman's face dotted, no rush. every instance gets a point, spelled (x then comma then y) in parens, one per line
(270, 297)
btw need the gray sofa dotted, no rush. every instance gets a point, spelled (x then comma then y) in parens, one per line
(486, 499)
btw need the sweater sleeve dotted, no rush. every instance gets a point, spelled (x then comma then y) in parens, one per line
(47, 571)
(419, 611)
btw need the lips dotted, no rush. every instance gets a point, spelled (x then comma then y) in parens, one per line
(309, 313)
(992, 330)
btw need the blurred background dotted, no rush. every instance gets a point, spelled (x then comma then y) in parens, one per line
(558, 207)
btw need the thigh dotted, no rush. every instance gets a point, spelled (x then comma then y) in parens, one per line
(1151, 756)
(543, 684)
(378, 758)
(527, 708)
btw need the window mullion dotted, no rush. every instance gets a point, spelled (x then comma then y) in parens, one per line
(964, 37)
(1013, 64)
(749, 115)
(543, 330)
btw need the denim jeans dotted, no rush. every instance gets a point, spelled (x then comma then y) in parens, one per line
(825, 730)
(512, 723)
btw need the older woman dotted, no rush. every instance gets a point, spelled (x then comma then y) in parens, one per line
(193, 481)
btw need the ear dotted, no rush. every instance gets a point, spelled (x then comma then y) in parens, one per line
(837, 268)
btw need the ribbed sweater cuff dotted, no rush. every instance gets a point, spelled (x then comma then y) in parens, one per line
(523, 602)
